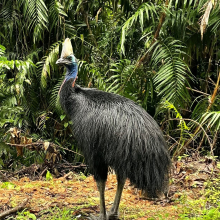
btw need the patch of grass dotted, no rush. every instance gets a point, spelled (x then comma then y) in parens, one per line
(206, 207)
(7, 185)
(58, 214)
(24, 215)
(80, 176)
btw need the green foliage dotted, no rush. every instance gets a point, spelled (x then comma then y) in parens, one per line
(182, 123)
(48, 64)
(25, 215)
(213, 191)
(2, 51)
(146, 12)
(15, 75)
(49, 176)
(80, 176)
(207, 214)
(7, 185)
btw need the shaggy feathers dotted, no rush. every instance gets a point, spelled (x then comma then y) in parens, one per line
(114, 131)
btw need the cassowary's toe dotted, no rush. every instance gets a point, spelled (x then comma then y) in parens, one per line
(101, 217)
(92, 217)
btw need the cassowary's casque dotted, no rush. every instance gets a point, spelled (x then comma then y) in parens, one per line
(113, 131)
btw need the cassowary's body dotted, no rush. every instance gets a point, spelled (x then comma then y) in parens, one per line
(113, 131)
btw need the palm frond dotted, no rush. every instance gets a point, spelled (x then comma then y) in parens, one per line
(6, 12)
(172, 72)
(36, 14)
(146, 11)
(122, 72)
(212, 120)
(55, 11)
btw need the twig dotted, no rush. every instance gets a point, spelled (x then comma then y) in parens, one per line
(10, 211)
(214, 93)
(89, 28)
(197, 91)
(211, 102)
(4, 178)
(42, 173)
(199, 126)
(25, 145)
(68, 174)
(69, 150)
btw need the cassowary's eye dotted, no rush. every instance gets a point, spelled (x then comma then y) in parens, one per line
(69, 58)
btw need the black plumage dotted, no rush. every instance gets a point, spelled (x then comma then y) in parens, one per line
(113, 131)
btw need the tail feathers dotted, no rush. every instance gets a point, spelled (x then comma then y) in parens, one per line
(150, 174)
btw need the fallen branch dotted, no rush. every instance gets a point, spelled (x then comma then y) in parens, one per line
(10, 211)
(42, 143)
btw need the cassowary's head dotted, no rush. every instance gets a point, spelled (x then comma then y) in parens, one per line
(68, 60)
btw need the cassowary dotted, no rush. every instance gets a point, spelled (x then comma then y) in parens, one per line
(113, 131)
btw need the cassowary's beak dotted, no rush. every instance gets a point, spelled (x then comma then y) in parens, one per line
(61, 61)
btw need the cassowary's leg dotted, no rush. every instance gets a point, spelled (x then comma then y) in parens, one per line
(101, 188)
(100, 177)
(114, 210)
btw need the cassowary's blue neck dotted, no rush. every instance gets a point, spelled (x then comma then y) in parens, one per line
(71, 71)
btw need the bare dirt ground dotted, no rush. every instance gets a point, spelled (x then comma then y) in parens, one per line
(80, 194)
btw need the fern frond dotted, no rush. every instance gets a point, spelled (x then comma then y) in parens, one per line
(54, 98)
(48, 63)
(182, 123)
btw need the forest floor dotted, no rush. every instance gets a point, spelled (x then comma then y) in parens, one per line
(75, 196)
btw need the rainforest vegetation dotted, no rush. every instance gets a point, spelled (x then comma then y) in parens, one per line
(163, 54)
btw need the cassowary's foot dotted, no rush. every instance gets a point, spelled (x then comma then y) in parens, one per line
(112, 216)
